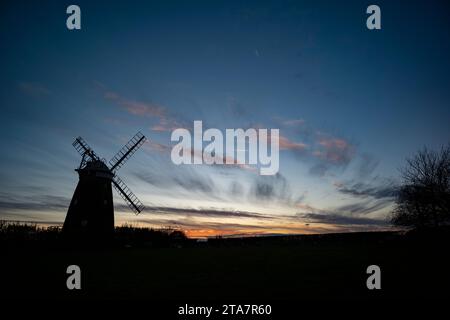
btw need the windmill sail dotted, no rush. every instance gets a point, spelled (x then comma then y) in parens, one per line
(83, 148)
(130, 198)
(127, 151)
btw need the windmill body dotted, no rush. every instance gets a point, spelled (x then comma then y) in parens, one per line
(91, 211)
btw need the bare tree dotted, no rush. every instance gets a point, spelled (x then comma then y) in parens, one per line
(424, 198)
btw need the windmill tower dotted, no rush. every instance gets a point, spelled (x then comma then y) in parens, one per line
(91, 211)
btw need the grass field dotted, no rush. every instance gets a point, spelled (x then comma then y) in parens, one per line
(283, 268)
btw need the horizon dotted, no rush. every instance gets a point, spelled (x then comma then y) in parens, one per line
(59, 225)
(351, 106)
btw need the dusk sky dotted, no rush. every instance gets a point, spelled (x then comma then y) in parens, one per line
(351, 105)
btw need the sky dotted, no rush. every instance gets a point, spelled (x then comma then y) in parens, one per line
(351, 105)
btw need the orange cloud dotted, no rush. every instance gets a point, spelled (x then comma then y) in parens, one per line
(141, 109)
(166, 125)
(334, 143)
(249, 230)
(152, 146)
(335, 150)
(286, 144)
(135, 107)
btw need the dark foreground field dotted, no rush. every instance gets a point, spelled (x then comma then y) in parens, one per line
(259, 269)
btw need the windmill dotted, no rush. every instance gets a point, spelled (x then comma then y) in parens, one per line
(91, 210)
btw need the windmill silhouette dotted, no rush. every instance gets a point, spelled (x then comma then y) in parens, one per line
(91, 211)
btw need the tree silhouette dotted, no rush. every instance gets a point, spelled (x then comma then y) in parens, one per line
(424, 198)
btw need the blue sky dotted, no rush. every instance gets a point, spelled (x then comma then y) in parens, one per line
(351, 105)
